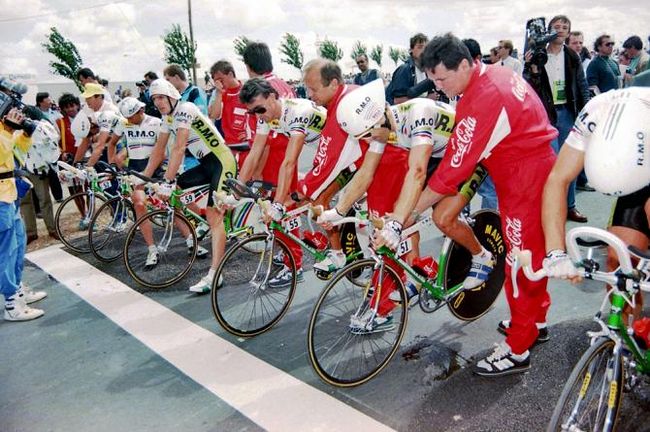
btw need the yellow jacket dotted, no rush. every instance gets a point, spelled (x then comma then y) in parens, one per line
(8, 142)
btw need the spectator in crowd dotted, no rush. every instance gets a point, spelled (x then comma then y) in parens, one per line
(576, 42)
(366, 74)
(85, 76)
(189, 92)
(409, 79)
(494, 55)
(150, 108)
(506, 59)
(638, 57)
(226, 106)
(44, 103)
(561, 86)
(603, 73)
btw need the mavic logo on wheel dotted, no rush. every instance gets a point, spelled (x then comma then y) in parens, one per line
(462, 141)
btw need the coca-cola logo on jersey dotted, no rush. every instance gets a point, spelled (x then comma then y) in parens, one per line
(463, 140)
(513, 234)
(321, 154)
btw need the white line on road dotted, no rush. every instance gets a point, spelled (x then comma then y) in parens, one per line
(273, 399)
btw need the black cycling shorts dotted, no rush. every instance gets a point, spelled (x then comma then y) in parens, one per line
(208, 171)
(628, 211)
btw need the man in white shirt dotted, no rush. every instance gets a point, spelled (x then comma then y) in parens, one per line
(505, 57)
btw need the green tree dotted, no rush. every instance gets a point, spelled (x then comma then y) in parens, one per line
(357, 49)
(394, 54)
(240, 44)
(376, 54)
(68, 61)
(179, 49)
(290, 47)
(330, 50)
(404, 55)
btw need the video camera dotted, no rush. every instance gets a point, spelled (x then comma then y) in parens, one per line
(537, 36)
(11, 94)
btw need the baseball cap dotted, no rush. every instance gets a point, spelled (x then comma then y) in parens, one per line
(92, 89)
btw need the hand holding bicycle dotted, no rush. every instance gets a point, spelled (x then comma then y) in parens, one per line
(327, 218)
(390, 235)
(558, 264)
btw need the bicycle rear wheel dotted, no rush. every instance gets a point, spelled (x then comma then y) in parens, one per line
(245, 305)
(472, 304)
(175, 258)
(109, 227)
(71, 225)
(592, 395)
(340, 354)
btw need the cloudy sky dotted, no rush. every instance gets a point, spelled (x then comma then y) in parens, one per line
(122, 40)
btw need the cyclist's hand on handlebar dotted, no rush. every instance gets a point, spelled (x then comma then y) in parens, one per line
(557, 264)
(90, 171)
(274, 211)
(165, 189)
(389, 236)
(328, 217)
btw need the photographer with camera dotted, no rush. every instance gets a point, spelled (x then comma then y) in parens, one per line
(15, 132)
(555, 73)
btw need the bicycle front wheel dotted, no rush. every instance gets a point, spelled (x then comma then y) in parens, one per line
(169, 235)
(592, 395)
(339, 352)
(253, 297)
(73, 218)
(109, 228)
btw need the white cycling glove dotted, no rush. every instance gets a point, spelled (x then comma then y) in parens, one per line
(90, 172)
(558, 265)
(165, 189)
(391, 233)
(276, 211)
(332, 215)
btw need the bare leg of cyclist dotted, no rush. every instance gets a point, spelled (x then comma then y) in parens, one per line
(445, 216)
(139, 204)
(336, 257)
(215, 220)
(630, 237)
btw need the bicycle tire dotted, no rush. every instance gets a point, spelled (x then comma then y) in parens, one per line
(67, 218)
(599, 368)
(174, 260)
(106, 235)
(472, 304)
(331, 336)
(245, 305)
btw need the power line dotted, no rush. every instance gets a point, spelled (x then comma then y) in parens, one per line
(25, 18)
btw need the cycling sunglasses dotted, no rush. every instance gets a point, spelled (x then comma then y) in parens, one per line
(257, 110)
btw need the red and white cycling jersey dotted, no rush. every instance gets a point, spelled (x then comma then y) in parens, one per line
(499, 121)
(299, 117)
(603, 108)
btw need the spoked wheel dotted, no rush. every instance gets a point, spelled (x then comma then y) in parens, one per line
(592, 395)
(472, 304)
(175, 258)
(245, 299)
(349, 341)
(109, 228)
(72, 224)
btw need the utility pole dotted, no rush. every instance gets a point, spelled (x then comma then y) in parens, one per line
(189, 13)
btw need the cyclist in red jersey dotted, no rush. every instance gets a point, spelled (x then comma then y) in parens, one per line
(501, 123)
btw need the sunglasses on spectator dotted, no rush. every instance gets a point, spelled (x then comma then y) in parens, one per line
(257, 110)
(610, 44)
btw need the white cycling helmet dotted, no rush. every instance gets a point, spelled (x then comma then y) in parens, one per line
(45, 146)
(80, 126)
(617, 160)
(130, 106)
(362, 108)
(163, 87)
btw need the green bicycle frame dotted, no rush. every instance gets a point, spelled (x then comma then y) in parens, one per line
(615, 322)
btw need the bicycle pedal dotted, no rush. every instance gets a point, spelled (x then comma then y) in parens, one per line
(322, 275)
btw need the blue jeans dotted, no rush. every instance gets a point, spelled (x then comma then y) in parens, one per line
(8, 249)
(21, 245)
(564, 124)
(489, 194)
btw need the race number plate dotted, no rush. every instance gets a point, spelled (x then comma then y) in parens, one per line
(105, 184)
(292, 223)
(405, 247)
(187, 199)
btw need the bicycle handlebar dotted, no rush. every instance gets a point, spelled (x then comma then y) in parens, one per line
(76, 171)
(625, 272)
